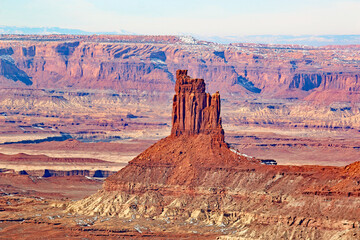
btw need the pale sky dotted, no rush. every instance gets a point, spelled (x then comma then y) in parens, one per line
(200, 17)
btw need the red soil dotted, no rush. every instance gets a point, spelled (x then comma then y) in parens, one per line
(25, 158)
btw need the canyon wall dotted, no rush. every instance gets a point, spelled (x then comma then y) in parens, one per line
(148, 63)
(57, 80)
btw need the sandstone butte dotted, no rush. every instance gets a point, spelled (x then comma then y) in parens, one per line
(192, 175)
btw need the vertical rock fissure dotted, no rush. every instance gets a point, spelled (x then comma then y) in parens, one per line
(194, 110)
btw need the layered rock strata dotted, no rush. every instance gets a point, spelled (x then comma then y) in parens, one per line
(147, 63)
(264, 84)
(186, 179)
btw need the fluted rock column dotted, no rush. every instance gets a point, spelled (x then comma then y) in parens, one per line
(194, 110)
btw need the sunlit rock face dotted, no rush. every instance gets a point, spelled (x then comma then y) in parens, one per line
(194, 110)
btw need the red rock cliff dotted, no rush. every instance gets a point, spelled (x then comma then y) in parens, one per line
(146, 63)
(194, 110)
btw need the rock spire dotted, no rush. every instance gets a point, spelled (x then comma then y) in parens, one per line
(194, 110)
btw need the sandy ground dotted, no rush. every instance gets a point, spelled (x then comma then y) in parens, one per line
(116, 155)
(297, 147)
